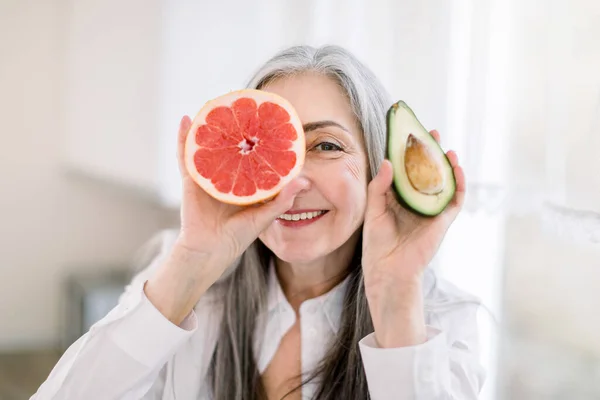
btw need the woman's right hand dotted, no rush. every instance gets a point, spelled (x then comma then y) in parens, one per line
(212, 236)
(222, 230)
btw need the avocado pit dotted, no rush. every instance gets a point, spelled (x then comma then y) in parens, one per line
(423, 168)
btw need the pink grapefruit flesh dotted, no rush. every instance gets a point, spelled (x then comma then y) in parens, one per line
(245, 146)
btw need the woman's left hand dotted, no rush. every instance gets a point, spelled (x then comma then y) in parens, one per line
(398, 245)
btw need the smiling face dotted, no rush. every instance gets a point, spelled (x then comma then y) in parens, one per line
(325, 218)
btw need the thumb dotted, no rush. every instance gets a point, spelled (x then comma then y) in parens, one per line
(259, 218)
(376, 192)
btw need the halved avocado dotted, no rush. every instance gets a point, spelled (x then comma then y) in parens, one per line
(424, 181)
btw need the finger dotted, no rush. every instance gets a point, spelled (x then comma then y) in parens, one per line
(459, 196)
(453, 158)
(378, 187)
(184, 127)
(459, 176)
(436, 135)
(260, 217)
(451, 212)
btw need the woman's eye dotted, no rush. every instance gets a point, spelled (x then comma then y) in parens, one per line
(327, 146)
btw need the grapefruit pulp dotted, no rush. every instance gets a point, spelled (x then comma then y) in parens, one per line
(245, 146)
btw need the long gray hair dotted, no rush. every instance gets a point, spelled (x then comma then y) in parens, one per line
(233, 372)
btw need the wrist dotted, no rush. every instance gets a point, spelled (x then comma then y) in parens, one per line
(398, 315)
(400, 291)
(180, 282)
(404, 330)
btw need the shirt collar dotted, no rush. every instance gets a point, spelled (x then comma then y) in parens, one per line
(331, 302)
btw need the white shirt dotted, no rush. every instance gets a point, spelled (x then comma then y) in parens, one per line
(136, 353)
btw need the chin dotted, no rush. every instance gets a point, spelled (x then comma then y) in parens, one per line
(296, 254)
(296, 257)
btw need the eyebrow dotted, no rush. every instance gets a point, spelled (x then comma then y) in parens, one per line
(311, 126)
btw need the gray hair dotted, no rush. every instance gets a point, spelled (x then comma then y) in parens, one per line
(368, 98)
(233, 372)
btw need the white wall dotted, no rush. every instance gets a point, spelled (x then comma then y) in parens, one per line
(50, 222)
(112, 63)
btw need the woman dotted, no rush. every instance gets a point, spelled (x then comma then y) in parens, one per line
(240, 306)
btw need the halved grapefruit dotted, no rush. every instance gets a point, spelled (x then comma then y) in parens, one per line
(245, 146)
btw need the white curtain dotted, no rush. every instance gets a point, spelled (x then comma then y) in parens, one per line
(544, 90)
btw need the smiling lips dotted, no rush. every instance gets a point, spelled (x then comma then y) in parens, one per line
(300, 217)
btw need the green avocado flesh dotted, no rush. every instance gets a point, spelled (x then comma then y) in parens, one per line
(423, 177)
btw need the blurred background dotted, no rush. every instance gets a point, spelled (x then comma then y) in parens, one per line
(91, 93)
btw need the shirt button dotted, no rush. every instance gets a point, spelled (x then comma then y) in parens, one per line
(312, 332)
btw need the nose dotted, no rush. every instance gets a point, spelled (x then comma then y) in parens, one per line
(302, 182)
(304, 179)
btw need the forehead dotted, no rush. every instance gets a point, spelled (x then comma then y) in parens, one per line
(316, 97)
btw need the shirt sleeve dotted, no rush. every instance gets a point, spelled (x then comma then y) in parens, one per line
(123, 355)
(445, 367)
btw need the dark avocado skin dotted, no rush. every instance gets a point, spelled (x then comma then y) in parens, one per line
(397, 193)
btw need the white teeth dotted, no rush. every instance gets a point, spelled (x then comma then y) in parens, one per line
(298, 217)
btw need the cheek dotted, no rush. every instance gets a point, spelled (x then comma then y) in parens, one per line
(349, 191)
(356, 168)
